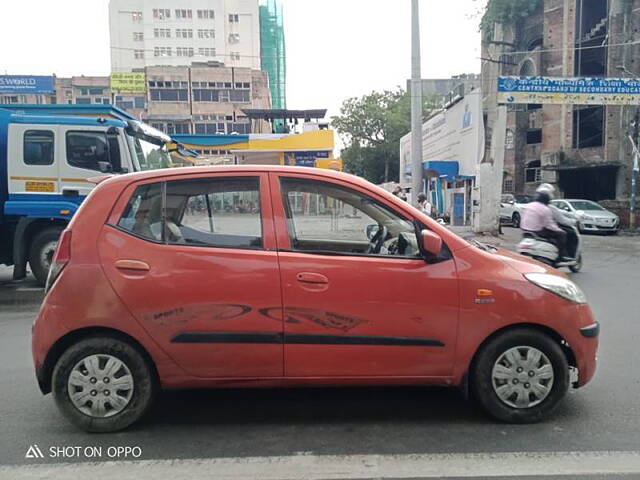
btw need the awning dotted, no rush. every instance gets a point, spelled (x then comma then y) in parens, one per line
(209, 140)
(446, 170)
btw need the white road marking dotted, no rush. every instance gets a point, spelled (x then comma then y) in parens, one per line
(312, 467)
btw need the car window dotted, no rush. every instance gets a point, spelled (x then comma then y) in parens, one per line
(585, 205)
(143, 213)
(215, 212)
(324, 217)
(38, 147)
(87, 149)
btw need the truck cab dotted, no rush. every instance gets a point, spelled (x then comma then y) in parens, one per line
(46, 160)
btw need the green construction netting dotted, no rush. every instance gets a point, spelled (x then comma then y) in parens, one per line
(273, 53)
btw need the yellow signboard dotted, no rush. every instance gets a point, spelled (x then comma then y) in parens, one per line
(329, 163)
(128, 82)
(45, 187)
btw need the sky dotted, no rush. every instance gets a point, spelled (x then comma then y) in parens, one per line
(336, 49)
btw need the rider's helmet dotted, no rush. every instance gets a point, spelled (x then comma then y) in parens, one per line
(546, 188)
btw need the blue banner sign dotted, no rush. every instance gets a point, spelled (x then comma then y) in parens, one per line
(25, 84)
(304, 159)
(569, 91)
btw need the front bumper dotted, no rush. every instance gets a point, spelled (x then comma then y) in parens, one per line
(596, 227)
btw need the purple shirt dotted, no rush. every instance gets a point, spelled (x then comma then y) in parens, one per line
(537, 216)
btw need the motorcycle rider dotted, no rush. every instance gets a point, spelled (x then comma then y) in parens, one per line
(538, 217)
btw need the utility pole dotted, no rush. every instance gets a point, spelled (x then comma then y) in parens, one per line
(416, 105)
(634, 171)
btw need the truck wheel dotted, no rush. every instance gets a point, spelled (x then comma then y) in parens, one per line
(515, 220)
(520, 376)
(41, 251)
(103, 384)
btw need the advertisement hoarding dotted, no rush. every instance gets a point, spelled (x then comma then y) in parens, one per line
(569, 91)
(128, 82)
(26, 84)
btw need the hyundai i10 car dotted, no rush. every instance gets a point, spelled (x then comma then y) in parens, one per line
(266, 276)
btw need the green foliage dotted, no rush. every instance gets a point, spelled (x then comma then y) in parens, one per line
(506, 12)
(371, 128)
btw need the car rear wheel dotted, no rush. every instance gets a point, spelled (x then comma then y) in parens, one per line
(520, 376)
(41, 252)
(103, 384)
(515, 220)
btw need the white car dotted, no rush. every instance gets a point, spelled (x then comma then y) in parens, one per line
(591, 216)
(511, 208)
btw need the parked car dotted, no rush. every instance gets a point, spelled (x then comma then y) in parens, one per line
(329, 280)
(591, 216)
(511, 208)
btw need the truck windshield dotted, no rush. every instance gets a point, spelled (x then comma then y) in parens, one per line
(149, 155)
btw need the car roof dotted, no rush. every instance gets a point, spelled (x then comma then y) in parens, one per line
(176, 172)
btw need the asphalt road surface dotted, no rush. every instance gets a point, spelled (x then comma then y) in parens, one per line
(349, 433)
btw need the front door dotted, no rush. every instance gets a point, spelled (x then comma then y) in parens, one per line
(194, 259)
(359, 299)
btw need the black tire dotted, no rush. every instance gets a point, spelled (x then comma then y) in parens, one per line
(578, 266)
(482, 388)
(145, 384)
(515, 220)
(41, 252)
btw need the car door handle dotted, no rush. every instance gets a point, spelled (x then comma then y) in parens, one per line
(314, 278)
(132, 265)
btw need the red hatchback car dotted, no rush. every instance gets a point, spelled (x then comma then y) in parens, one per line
(283, 276)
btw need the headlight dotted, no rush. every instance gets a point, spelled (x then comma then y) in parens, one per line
(558, 285)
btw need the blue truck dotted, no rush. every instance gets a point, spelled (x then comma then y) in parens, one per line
(47, 155)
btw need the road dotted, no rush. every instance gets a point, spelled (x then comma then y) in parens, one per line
(375, 425)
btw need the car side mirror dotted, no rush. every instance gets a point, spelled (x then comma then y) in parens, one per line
(431, 242)
(105, 167)
(371, 230)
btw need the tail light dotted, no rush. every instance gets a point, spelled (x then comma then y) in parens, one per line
(60, 259)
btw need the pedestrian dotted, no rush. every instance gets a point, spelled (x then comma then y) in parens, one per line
(424, 204)
(399, 192)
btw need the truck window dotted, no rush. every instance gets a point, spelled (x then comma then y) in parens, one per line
(86, 149)
(38, 147)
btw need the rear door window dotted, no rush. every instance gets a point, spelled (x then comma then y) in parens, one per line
(39, 147)
(143, 214)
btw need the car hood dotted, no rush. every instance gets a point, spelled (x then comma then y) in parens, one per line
(522, 264)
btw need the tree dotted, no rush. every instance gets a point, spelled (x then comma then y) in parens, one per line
(371, 127)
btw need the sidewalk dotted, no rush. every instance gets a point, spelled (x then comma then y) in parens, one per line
(21, 292)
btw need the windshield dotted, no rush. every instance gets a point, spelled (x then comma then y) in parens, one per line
(585, 205)
(149, 155)
(523, 198)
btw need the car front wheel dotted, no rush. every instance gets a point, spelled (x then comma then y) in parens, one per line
(520, 376)
(103, 384)
(515, 220)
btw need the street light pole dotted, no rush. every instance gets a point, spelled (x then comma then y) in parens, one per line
(416, 105)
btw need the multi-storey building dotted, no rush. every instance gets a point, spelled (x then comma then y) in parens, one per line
(179, 32)
(583, 149)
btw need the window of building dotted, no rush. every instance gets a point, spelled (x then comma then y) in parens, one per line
(235, 56)
(184, 33)
(138, 54)
(234, 38)
(184, 52)
(209, 128)
(83, 101)
(38, 147)
(206, 33)
(328, 219)
(161, 13)
(138, 36)
(207, 52)
(87, 149)
(136, 16)
(588, 126)
(162, 33)
(534, 136)
(162, 52)
(206, 14)
(234, 18)
(96, 91)
(184, 14)
(507, 186)
(239, 96)
(532, 172)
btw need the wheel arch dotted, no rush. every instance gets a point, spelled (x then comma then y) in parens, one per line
(63, 343)
(554, 335)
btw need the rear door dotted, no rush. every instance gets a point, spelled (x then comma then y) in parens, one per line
(199, 275)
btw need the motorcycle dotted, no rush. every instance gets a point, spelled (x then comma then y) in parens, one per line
(546, 251)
